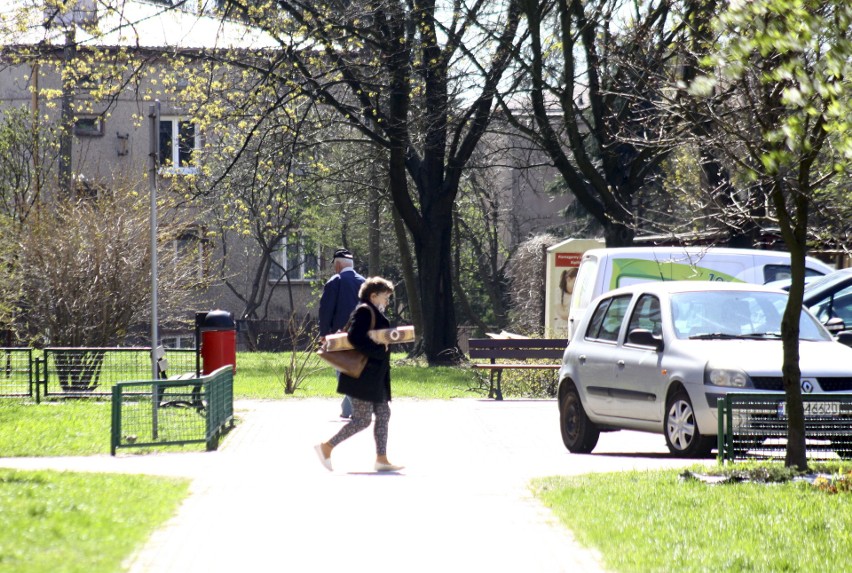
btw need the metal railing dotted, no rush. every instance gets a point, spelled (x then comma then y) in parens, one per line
(16, 376)
(754, 425)
(152, 413)
(88, 372)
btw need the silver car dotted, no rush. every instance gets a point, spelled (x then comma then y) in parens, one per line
(655, 357)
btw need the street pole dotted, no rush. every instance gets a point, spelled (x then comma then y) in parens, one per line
(154, 160)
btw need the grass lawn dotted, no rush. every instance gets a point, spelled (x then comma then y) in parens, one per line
(55, 522)
(82, 427)
(654, 521)
(260, 375)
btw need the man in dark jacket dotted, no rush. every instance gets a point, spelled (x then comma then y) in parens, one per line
(339, 298)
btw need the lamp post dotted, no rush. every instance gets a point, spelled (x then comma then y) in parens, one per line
(154, 161)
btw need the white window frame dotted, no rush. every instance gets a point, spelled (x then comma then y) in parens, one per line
(171, 164)
(193, 237)
(308, 268)
(178, 341)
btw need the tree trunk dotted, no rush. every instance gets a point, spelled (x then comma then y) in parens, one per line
(408, 274)
(433, 249)
(375, 258)
(66, 137)
(796, 450)
(618, 234)
(794, 230)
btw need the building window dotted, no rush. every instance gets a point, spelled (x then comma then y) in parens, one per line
(178, 342)
(92, 126)
(188, 246)
(296, 257)
(178, 142)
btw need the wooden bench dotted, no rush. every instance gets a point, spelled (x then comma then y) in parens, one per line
(514, 350)
(196, 398)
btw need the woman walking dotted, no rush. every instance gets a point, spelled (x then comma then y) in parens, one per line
(370, 393)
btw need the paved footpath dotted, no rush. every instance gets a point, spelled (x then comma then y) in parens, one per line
(263, 503)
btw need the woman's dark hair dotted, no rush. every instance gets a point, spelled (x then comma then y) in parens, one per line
(569, 273)
(374, 285)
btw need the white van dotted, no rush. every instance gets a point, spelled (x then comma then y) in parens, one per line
(602, 270)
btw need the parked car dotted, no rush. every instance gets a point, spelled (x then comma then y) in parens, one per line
(656, 357)
(829, 298)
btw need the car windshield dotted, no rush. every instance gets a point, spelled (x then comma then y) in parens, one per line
(736, 314)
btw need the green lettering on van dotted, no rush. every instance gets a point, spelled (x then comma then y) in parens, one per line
(632, 271)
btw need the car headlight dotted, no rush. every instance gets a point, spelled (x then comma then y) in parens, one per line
(730, 377)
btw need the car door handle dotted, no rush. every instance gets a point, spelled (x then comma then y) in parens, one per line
(620, 363)
(581, 359)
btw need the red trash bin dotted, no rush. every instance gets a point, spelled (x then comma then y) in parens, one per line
(218, 341)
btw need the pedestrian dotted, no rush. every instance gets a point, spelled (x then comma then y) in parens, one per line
(339, 298)
(371, 393)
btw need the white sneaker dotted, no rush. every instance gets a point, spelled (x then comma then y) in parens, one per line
(326, 462)
(380, 467)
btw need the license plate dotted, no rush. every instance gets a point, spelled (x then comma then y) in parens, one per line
(814, 408)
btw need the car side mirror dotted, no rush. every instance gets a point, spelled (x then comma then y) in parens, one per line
(835, 325)
(845, 338)
(644, 337)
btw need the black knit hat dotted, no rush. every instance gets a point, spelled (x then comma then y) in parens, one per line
(343, 254)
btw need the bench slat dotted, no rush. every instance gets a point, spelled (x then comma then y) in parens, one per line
(516, 349)
(515, 354)
(477, 343)
(513, 366)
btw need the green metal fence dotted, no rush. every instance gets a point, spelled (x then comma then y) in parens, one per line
(92, 371)
(754, 425)
(16, 377)
(170, 412)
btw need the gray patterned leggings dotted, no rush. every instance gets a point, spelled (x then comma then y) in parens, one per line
(362, 415)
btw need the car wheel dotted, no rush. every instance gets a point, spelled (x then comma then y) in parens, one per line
(681, 430)
(579, 434)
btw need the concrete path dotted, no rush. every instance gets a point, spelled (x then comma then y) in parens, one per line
(264, 503)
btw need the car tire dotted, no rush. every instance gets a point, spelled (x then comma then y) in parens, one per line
(683, 438)
(579, 434)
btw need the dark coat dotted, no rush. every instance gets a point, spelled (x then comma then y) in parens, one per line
(374, 385)
(339, 298)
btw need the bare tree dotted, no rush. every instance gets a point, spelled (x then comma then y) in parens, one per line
(93, 287)
(527, 279)
(28, 156)
(418, 80)
(582, 69)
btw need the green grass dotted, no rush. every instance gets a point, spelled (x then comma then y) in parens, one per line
(72, 428)
(82, 427)
(260, 375)
(63, 428)
(654, 521)
(56, 522)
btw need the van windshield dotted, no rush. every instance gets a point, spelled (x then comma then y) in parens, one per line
(584, 287)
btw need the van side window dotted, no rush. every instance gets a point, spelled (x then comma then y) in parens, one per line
(646, 314)
(607, 319)
(780, 272)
